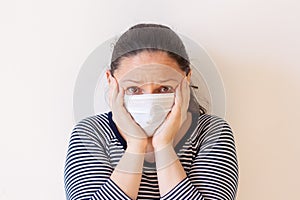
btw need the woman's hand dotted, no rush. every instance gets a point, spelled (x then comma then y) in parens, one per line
(133, 134)
(165, 134)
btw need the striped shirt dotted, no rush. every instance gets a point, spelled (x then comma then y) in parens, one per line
(207, 153)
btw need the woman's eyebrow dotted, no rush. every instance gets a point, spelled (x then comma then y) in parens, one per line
(160, 81)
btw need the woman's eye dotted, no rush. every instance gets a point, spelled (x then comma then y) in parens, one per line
(132, 90)
(166, 89)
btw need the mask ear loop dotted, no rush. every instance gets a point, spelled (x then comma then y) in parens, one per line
(193, 86)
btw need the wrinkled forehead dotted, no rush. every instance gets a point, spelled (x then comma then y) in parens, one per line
(152, 73)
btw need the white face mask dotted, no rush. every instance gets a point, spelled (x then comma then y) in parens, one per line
(149, 110)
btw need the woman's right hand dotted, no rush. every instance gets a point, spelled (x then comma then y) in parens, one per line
(133, 134)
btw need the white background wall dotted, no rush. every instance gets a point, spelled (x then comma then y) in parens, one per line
(255, 45)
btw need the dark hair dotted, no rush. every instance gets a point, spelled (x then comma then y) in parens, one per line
(153, 38)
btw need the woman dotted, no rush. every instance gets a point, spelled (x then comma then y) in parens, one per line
(157, 142)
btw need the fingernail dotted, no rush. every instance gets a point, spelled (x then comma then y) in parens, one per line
(184, 80)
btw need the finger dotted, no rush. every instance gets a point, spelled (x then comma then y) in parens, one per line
(119, 104)
(178, 94)
(185, 100)
(120, 98)
(185, 90)
(114, 88)
(176, 109)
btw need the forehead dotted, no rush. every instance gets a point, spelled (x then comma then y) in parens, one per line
(157, 63)
(151, 73)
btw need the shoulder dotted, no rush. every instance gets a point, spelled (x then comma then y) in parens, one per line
(206, 121)
(211, 126)
(96, 126)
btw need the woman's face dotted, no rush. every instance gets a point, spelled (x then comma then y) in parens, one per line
(148, 72)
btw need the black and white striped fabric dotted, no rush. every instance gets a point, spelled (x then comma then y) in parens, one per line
(207, 153)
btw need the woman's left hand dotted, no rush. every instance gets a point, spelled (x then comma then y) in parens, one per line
(166, 132)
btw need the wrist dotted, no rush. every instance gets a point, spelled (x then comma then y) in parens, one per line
(162, 144)
(165, 156)
(136, 146)
(131, 162)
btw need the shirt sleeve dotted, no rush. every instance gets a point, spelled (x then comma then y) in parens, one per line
(87, 168)
(214, 172)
